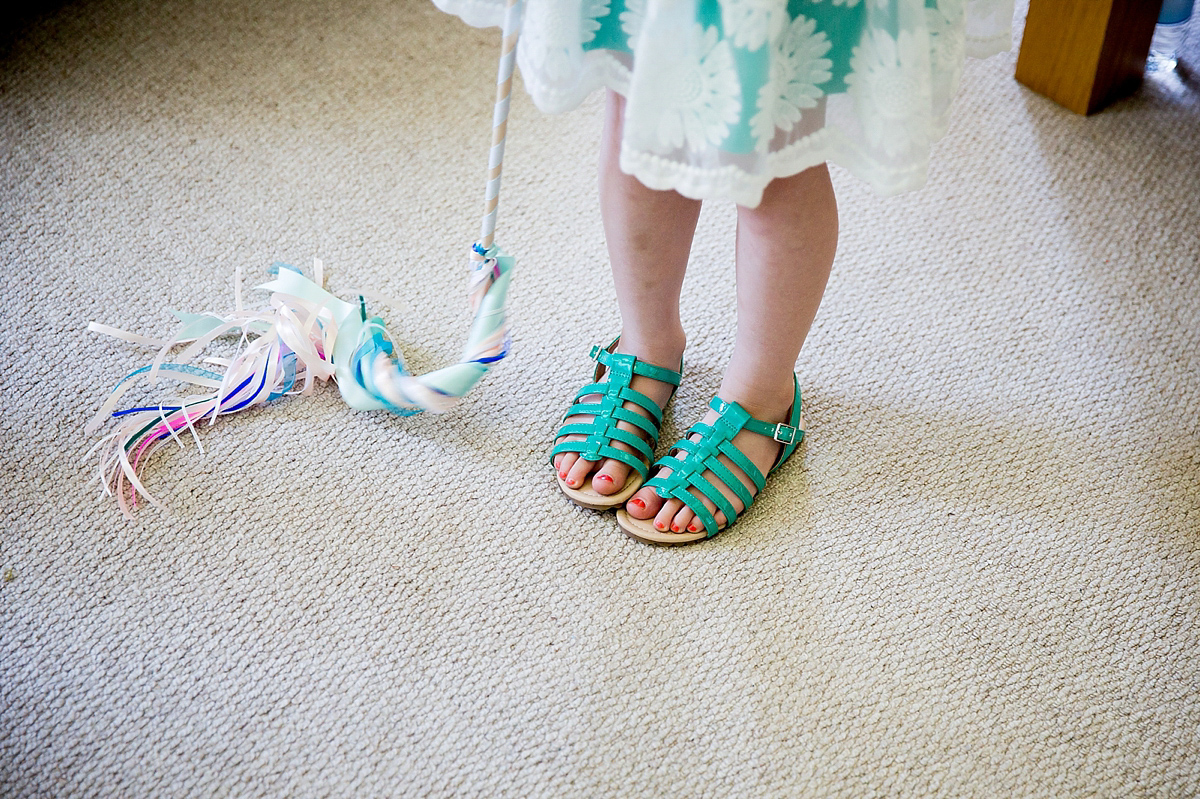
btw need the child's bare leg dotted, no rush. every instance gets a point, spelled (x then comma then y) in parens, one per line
(649, 235)
(785, 249)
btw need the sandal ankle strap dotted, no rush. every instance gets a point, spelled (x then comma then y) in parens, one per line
(782, 432)
(620, 362)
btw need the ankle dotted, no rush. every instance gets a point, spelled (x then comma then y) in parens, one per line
(660, 349)
(767, 400)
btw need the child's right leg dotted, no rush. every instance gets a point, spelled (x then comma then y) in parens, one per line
(649, 235)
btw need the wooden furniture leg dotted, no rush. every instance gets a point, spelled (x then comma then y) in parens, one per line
(1084, 54)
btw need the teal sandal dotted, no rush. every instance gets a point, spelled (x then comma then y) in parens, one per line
(601, 432)
(689, 459)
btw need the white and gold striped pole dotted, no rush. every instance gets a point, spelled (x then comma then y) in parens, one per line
(504, 82)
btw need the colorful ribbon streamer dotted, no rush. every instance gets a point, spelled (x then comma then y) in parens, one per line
(305, 334)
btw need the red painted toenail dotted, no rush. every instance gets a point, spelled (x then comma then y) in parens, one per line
(660, 526)
(637, 503)
(604, 477)
(693, 528)
(675, 528)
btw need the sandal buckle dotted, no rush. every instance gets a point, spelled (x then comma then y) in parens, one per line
(595, 353)
(782, 430)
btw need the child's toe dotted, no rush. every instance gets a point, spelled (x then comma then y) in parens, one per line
(563, 462)
(577, 474)
(682, 519)
(610, 478)
(666, 515)
(644, 504)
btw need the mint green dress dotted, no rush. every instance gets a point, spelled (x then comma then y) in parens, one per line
(725, 95)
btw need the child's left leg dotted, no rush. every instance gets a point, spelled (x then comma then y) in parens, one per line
(785, 249)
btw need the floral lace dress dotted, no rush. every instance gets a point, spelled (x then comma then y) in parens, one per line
(725, 95)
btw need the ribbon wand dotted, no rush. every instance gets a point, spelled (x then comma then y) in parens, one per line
(308, 334)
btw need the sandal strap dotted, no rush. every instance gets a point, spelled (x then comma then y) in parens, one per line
(786, 434)
(619, 395)
(595, 447)
(689, 460)
(607, 409)
(605, 451)
(616, 360)
(706, 451)
(683, 477)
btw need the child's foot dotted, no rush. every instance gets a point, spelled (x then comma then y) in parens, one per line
(672, 516)
(608, 476)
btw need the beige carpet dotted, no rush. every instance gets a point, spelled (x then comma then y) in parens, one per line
(980, 577)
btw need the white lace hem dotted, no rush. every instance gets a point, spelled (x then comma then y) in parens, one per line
(854, 133)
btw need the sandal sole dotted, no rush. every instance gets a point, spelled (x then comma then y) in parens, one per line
(644, 531)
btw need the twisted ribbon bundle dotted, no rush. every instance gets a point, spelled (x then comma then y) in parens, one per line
(307, 334)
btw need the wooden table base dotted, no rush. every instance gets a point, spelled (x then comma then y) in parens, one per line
(1084, 54)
